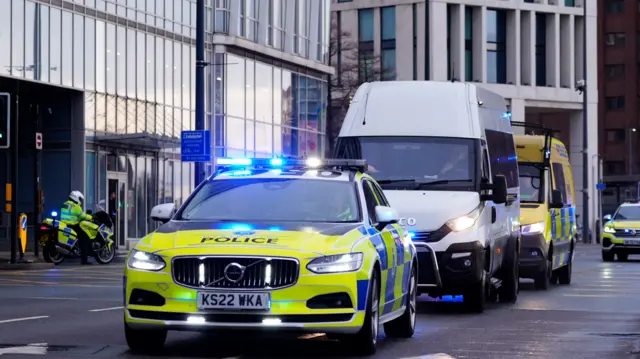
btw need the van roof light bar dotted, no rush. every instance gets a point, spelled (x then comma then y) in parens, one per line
(225, 164)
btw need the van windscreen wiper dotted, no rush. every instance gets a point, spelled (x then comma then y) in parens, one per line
(409, 181)
(427, 184)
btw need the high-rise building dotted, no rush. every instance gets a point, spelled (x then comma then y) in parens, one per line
(110, 85)
(529, 51)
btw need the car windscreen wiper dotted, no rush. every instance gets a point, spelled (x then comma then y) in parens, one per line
(427, 184)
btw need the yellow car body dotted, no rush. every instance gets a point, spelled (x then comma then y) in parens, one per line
(209, 264)
(621, 234)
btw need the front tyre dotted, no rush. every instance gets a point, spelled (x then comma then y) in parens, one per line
(364, 343)
(144, 341)
(564, 273)
(508, 291)
(105, 255)
(475, 297)
(405, 326)
(607, 256)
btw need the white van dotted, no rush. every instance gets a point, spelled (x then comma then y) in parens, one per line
(445, 157)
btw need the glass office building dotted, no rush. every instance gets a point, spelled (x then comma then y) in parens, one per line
(133, 63)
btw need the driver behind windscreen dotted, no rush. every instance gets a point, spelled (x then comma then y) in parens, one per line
(457, 164)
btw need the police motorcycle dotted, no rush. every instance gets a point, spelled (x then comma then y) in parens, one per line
(59, 241)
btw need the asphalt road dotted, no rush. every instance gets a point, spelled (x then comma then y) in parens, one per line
(74, 311)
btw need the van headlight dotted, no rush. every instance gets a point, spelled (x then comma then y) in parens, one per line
(534, 228)
(464, 222)
(609, 230)
(339, 263)
(146, 261)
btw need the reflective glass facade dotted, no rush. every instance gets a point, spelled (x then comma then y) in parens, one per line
(134, 60)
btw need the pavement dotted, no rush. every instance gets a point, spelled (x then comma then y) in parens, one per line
(31, 262)
(76, 312)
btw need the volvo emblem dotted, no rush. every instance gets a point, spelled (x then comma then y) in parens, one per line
(234, 272)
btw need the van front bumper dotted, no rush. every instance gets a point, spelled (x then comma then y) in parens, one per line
(534, 253)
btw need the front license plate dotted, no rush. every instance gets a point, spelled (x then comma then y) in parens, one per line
(632, 242)
(256, 301)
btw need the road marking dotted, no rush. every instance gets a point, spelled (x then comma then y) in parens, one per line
(23, 319)
(106, 309)
(51, 298)
(598, 295)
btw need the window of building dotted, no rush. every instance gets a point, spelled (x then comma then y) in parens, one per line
(345, 1)
(614, 102)
(612, 168)
(277, 13)
(541, 49)
(614, 71)
(615, 39)
(496, 46)
(415, 41)
(615, 136)
(570, 3)
(614, 6)
(468, 43)
(388, 42)
(365, 44)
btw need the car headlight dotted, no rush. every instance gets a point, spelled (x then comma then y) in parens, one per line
(534, 228)
(336, 263)
(609, 230)
(464, 222)
(146, 261)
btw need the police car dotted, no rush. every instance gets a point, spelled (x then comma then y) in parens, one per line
(621, 233)
(305, 245)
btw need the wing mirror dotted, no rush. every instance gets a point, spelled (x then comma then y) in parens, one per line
(498, 190)
(607, 218)
(163, 212)
(386, 215)
(556, 199)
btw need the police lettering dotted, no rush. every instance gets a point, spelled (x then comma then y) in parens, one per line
(256, 240)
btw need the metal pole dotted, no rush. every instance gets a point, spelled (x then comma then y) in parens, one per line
(200, 65)
(14, 180)
(630, 153)
(585, 139)
(36, 192)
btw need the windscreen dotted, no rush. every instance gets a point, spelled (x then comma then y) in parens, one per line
(628, 213)
(433, 163)
(273, 199)
(530, 183)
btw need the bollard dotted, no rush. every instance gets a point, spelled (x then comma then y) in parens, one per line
(22, 233)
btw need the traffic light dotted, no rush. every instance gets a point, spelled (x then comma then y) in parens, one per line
(5, 120)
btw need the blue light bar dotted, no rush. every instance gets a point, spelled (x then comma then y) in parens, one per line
(310, 163)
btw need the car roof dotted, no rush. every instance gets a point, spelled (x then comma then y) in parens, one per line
(324, 175)
(630, 204)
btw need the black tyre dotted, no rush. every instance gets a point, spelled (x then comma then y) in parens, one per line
(508, 291)
(622, 257)
(405, 326)
(365, 342)
(51, 255)
(541, 281)
(145, 341)
(105, 254)
(476, 296)
(608, 256)
(564, 273)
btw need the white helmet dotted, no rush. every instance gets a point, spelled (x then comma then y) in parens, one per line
(76, 196)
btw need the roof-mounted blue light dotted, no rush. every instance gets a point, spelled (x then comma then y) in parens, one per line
(278, 163)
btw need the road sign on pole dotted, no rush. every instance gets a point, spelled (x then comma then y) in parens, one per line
(38, 141)
(196, 146)
(601, 186)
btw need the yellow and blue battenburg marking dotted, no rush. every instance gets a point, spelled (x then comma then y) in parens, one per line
(562, 223)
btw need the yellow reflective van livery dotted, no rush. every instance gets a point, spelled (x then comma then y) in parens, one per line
(547, 210)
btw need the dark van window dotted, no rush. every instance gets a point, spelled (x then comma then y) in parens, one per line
(502, 155)
(560, 183)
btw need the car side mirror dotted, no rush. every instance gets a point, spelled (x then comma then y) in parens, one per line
(607, 218)
(163, 212)
(498, 190)
(556, 199)
(386, 215)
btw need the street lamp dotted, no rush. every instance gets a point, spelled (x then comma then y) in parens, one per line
(631, 131)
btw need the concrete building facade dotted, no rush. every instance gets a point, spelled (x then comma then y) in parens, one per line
(529, 51)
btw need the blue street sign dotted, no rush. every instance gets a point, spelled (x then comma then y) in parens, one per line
(196, 146)
(601, 186)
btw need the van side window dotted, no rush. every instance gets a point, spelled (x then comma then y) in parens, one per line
(485, 165)
(370, 200)
(558, 179)
(502, 154)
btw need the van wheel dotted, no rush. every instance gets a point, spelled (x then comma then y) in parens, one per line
(405, 326)
(475, 297)
(564, 273)
(541, 281)
(608, 256)
(508, 291)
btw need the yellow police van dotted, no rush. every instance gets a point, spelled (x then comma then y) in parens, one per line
(547, 209)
